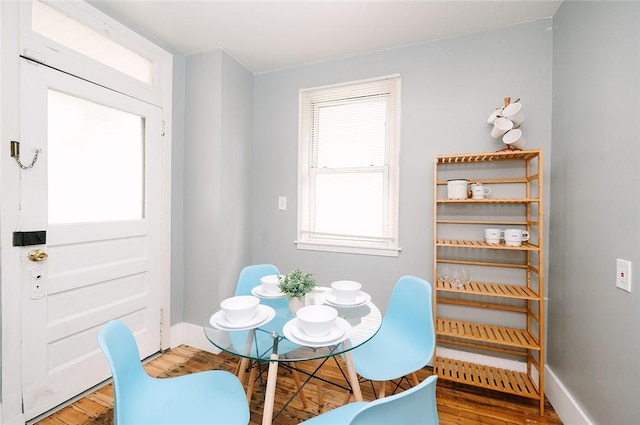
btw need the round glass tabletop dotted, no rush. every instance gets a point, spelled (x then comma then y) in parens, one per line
(278, 329)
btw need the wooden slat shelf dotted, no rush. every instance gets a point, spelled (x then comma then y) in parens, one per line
(482, 244)
(473, 331)
(487, 156)
(487, 377)
(489, 201)
(490, 289)
(517, 201)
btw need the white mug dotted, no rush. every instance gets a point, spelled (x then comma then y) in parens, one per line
(457, 189)
(494, 116)
(501, 126)
(492, 236)
(514, 139)
(515, 237)
(479, 191)
(513, 111)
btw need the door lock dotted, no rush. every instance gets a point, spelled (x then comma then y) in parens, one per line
(38, 255)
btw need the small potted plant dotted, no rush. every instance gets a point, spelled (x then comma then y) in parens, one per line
(295, 285)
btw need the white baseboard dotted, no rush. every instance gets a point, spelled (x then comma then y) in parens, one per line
(192, 335)
(563, 402)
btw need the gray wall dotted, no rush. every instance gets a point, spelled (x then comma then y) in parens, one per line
(594, 337)
(217, 180)
(449, 88)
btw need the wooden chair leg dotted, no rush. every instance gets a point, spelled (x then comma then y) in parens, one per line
(414, 379)
(381, 390)
(252, 378)
(320, 395)
(296, 378)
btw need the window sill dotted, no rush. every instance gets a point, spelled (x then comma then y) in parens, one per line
(347, 249)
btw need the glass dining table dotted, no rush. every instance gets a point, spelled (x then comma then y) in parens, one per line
(273, 338)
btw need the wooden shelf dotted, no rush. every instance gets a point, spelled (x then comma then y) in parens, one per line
(473, 331)
(489, 201)
(487, 377)
(490, 289)
(487, 156)
(516, 180)
(482, 244)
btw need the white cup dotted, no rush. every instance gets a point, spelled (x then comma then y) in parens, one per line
(457, 189)
(316, 320)
(270, 284)
(479, 191)
(514, 139)
(513, 112)
(515, 237)
(501, 126)
(240, 309)
(492, 236)
(494, 116)
(346, 291)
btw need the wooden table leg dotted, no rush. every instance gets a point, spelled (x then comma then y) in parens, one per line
(270, 396)
(353, 377)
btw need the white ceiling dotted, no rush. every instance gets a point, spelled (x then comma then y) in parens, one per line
(267, 35)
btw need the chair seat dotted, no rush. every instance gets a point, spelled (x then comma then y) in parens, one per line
(406, 339)
(415, 406)
(341, 415)
(212, 397)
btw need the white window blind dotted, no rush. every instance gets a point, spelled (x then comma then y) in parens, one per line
(348, 180)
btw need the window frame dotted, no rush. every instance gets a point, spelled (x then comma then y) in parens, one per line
(386, 244)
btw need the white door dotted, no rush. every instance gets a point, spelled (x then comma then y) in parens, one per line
(95, 189)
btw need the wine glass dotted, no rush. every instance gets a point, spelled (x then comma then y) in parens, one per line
(445, 273)
(461, 277)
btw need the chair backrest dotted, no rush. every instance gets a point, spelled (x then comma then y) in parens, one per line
(120, 348)
(409, 315)
(250, 277)
(417, 405)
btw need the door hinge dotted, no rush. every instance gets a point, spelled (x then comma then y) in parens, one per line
(162, 128)
(161, 326)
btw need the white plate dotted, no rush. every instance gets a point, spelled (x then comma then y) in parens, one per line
(262, 316)
(361, 299)
(294, 333)
(260, 293)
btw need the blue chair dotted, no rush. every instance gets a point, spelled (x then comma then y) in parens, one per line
(212, 397)
(248, 279)
(406, 340)
(417, 405)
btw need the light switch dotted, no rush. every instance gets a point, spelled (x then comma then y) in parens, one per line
(282, 203)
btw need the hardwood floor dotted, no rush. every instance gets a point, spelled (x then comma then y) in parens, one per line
(457, 404)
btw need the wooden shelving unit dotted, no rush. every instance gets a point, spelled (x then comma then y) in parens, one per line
(502, 346)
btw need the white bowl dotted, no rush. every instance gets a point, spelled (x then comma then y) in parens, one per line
(270, 284)
(346, 291)
(240, 309)
(316, 320)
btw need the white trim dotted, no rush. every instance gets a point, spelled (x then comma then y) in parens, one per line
(567, 408)
(192, 335)
(384, 252)
(11, 293)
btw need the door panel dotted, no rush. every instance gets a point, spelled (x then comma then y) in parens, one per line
(96, 270)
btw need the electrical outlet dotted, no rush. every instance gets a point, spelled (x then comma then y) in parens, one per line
(623, 274)
(282, 203)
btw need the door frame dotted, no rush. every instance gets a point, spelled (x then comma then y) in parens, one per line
(10, 256)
